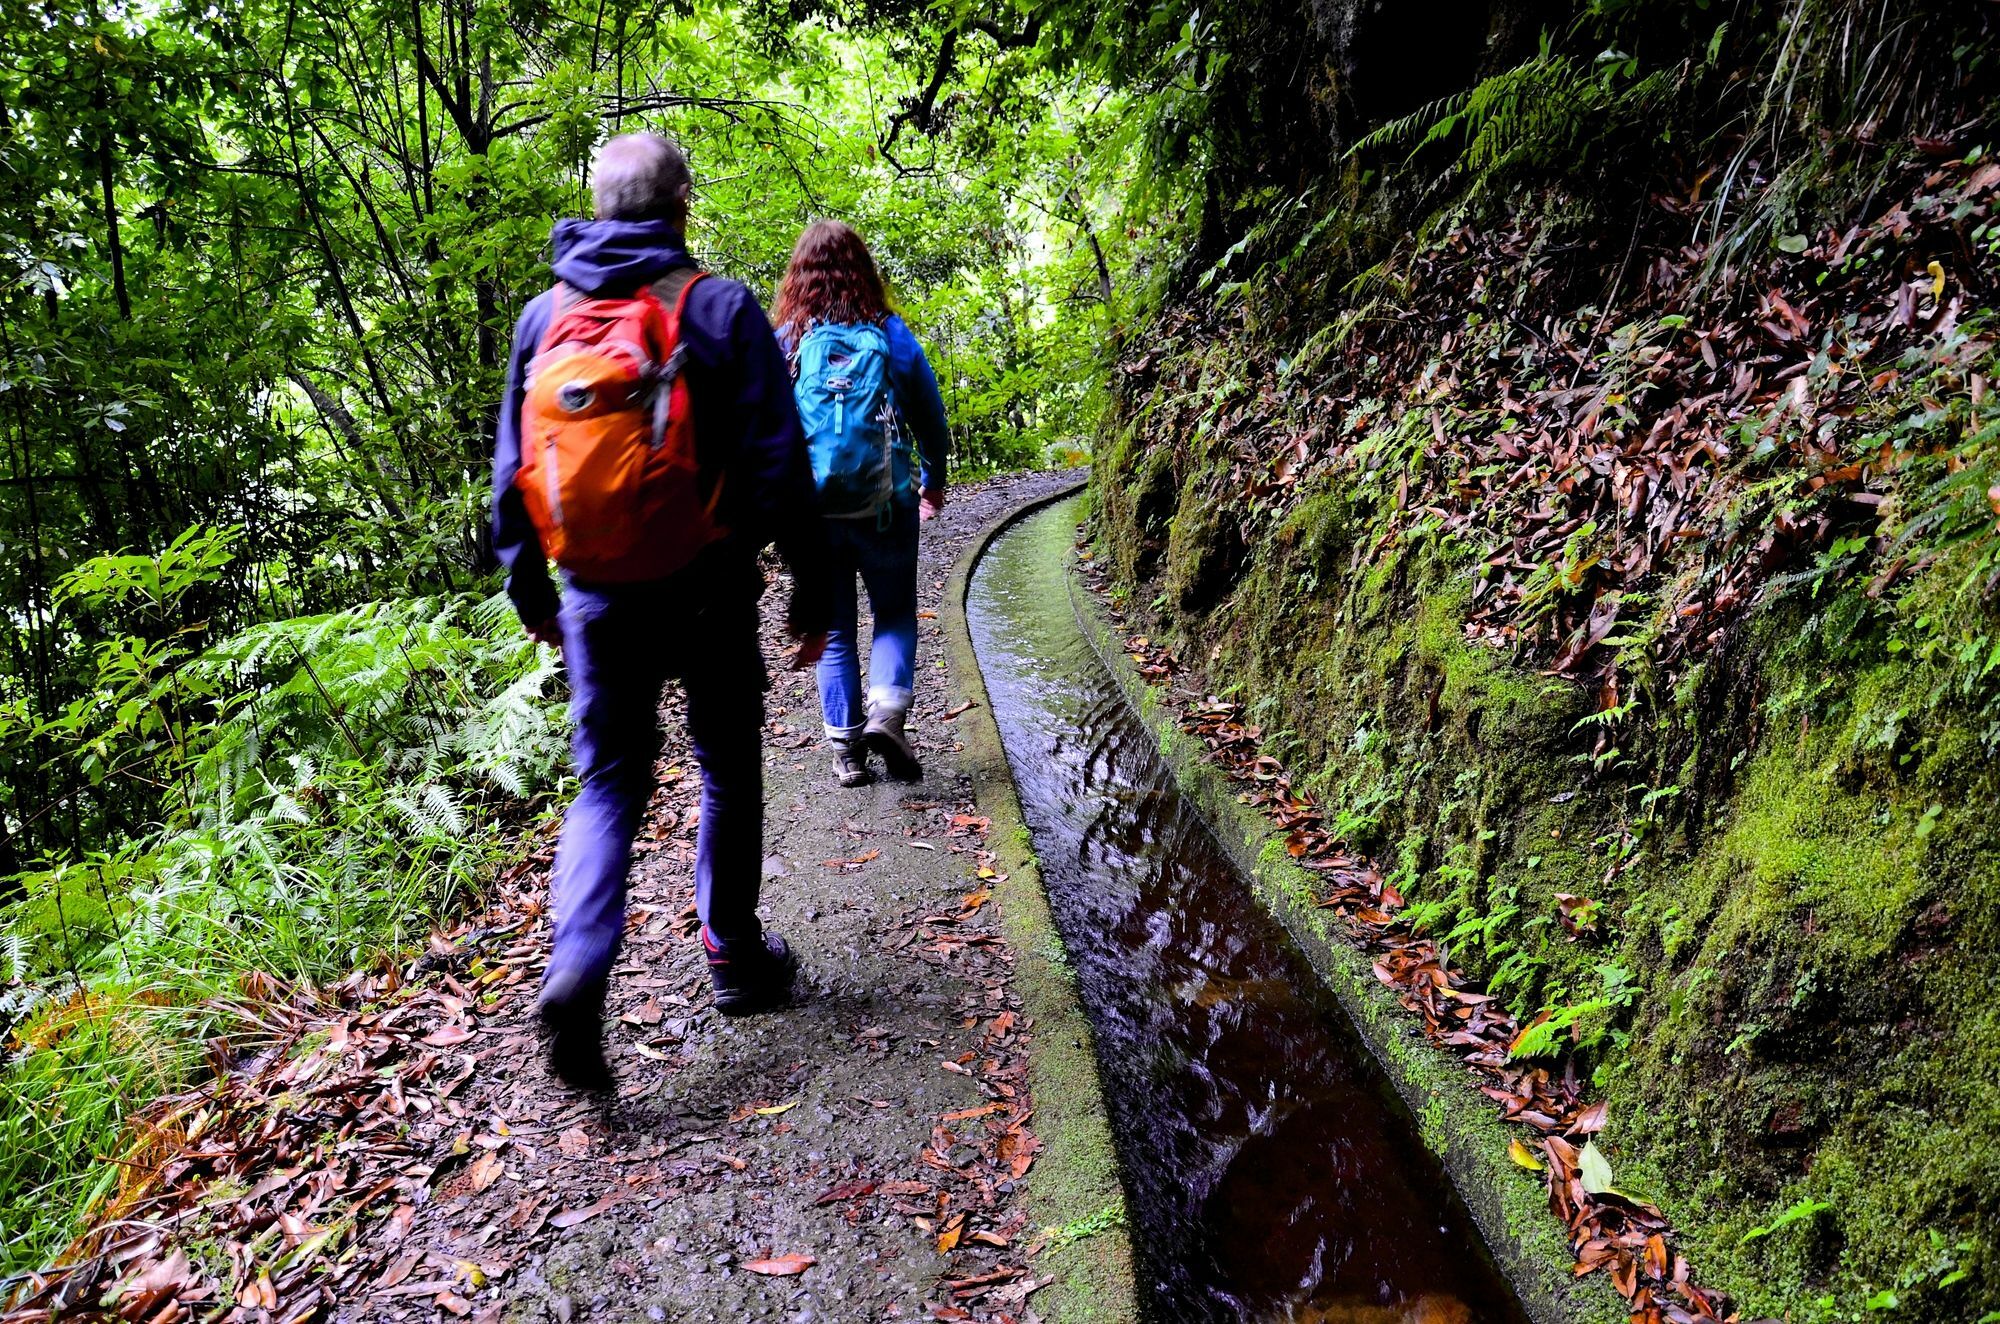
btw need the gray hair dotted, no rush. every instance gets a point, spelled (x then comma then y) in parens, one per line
(639, 177)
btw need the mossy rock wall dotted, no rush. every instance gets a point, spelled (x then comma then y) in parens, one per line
(1786, 971)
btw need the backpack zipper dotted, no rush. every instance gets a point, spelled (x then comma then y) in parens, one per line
(839, 385)
(553, 480)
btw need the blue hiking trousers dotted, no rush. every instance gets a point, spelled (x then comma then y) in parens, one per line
(621, 644)
(886, 561)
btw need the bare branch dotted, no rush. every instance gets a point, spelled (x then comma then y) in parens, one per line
(920, 110)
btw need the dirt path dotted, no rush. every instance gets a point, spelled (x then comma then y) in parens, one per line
(880, 1129)
(393, 1149)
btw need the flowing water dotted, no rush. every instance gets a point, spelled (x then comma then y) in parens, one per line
(1271, 1173)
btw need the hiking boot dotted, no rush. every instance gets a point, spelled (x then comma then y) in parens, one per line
(572, 1017)
(850, 762)
(755, 979)
(885, 735)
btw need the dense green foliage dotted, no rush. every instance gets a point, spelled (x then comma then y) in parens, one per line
(330, 783)
(1345, 269)
(257, 717)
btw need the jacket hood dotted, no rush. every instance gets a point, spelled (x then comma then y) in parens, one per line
(615, 257)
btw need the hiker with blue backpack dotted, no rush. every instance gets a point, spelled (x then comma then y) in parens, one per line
(648, 445)
(875, 427)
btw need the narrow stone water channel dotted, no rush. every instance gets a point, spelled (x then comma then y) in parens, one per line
(1271, 1173)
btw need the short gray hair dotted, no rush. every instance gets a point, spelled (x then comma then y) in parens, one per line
(639, 177)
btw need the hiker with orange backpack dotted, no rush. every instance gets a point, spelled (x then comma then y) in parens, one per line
(649, 445)
(876, 428)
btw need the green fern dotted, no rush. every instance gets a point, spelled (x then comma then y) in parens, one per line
(334, 783)
(430, 811)
(1550, 109)
(1584, 1022)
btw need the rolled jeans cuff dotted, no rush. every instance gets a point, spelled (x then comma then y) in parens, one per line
(843, 732)
(888, 699)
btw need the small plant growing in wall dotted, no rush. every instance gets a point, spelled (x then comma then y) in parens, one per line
(1585, 1023)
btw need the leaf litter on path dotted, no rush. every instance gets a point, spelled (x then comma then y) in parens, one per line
(393, 1140)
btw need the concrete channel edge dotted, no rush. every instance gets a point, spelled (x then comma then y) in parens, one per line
(1457, 1122)
(1074, 1184)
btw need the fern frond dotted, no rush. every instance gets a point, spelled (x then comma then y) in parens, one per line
(287, 809)
(445, 810)
(1548, 110)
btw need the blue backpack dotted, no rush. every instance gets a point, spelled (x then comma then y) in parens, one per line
(859, 462)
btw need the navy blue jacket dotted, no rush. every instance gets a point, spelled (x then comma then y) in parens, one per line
(746, 426)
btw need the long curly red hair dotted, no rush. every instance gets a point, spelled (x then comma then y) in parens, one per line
(831, 278)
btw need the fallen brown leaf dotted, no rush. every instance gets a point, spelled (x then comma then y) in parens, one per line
(489, 1169)
(847, 1190)
(569, 1218)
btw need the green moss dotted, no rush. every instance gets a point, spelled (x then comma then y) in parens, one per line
(1836, 1012)
(1134, 490)
(1433, 1123)
(1478, 679)
(1795, 863)
(1800, 850)
(1204, 546)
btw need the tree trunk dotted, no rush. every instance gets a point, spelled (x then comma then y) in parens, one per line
(106, 173)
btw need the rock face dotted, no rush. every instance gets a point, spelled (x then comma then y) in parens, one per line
(1651, 647)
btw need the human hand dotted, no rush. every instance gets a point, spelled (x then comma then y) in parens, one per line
(930, 504)
(548, 632)
(809, 650)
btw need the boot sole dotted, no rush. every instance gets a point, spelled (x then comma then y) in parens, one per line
(573, 1058)
(769, 997)
(754, 1004)
(901, 764)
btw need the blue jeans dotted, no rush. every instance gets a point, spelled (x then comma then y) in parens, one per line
(886, 561)
(621, 643)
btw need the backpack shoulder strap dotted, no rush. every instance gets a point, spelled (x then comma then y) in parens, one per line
(672, 292)
(671, 289)
(561, 299)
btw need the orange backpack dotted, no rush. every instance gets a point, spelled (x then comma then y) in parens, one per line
(608, 466)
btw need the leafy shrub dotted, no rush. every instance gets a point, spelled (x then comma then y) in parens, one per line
(330, 785)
